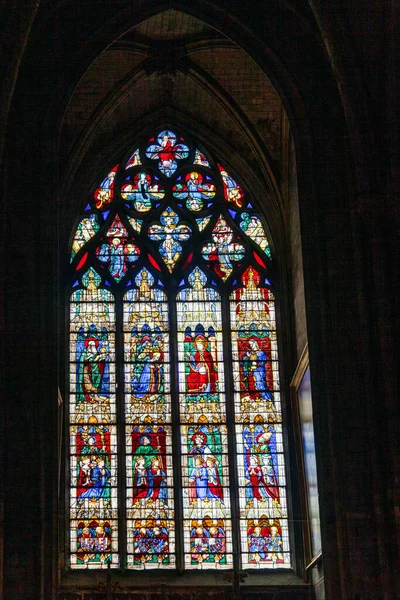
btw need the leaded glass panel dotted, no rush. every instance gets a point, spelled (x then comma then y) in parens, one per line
(175, 413)
(93, 430)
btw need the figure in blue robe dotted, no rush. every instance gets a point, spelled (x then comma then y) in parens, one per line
(254, 367)
(149, 356)
(99, 477)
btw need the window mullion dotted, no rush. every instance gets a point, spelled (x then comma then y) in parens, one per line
(121, 429)
(176, 434)
(230, 421)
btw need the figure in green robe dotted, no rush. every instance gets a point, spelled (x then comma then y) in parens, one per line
(145, 450)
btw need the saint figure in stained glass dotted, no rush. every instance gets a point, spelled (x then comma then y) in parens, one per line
(203, 375)
(176, 290)
(254, 365)
(222, 252)
(144, 188)
(168, 152)
(118, 251)
(147, 356)
(194, 190)
(92, 356)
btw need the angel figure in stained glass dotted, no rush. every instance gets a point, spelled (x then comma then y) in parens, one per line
(86, 229)
(222, 251)
(194, 191)
(150, 541)
(198, 542)
(274, 545)
(252, 226)
(258, 531)
(256, 545)
(93, 542)
(232, 191)
(105, 192)
(114, 253)
(170, 233)
(168, 152)
(217, 542)
(207, 541)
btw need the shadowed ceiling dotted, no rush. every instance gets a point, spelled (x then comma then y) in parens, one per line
(174, 61)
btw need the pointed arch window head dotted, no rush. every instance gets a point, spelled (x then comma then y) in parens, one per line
(176, 440)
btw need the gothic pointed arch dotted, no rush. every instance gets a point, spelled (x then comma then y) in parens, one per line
(176, 434)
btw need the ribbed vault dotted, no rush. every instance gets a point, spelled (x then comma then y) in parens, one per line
(175, 63)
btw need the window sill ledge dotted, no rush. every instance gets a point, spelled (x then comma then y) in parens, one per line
(143, 585)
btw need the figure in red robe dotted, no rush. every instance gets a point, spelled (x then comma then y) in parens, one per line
(203, 375)
(255, 476)
(214, 483)
(167, 154)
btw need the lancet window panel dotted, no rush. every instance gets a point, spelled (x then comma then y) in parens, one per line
(149, 474)
(176, 451)
(204, 436)
(93, 427)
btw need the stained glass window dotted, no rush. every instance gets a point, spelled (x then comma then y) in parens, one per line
(175, 410)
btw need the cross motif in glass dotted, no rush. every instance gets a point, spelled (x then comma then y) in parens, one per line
(170, 234)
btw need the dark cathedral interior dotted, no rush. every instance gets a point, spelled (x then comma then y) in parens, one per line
(298, 99)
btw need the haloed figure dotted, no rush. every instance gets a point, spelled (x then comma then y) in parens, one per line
(255, 373)
(91, 371)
